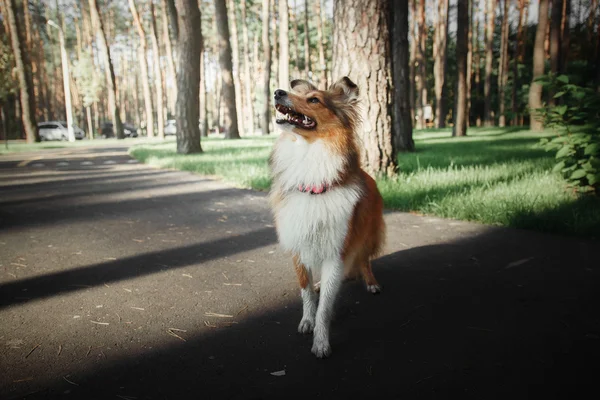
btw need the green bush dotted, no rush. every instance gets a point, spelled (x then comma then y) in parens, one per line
(576, 118)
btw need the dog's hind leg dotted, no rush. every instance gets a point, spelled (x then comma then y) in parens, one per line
(309, 297)
(368, 277)
(332, 274)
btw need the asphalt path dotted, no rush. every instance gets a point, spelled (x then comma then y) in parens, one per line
(118, 280)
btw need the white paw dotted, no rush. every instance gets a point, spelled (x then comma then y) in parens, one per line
(374, 289)
(306, 325)
(321, 347)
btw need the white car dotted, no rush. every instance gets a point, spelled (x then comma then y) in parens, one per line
(171, 127)
(57, 130)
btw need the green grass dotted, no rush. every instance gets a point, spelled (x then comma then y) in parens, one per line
(20, 146)
(496, 176)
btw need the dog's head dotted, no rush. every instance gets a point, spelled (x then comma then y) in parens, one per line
(314, 113)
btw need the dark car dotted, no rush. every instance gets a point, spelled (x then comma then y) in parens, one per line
(106, 131)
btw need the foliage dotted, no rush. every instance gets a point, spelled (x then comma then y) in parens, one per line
(7, 80)
(90, 83)
(577, 152)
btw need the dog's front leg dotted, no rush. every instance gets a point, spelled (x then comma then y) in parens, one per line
(332, 274)
(309, 297)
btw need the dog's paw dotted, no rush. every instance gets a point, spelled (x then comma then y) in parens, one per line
(321, 348)
(375, 289)
(306, 326)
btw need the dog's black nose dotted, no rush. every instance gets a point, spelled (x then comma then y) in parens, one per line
(280, 93)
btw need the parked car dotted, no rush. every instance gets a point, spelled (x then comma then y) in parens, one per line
(57, 130)
(106, 131)
(171, 127)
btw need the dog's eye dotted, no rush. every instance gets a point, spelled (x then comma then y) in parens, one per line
(313, 100)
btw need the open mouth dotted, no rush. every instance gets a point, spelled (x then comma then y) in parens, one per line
(294, 118)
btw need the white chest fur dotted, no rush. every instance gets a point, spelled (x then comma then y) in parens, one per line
(312, 226)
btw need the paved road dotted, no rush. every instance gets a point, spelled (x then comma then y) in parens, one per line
(121, 281)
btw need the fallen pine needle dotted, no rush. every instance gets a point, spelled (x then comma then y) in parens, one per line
(245, 308)
(212, 314)
(209, 324)
(186, 275)
(226, 278)
(138, 308)
(518, 262)
(32, 350)
(71, 382)
(170, 332)
(126, 397)
(89, 351)
(138, 240)
(30, 378)
(232, 284)
(99, 323)
(127, 290)
(177, 330)
(278, 373)
(59, 350)
(119, 317)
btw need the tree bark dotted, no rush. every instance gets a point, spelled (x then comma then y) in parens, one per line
(172, 93)
(307, 66)
(421, 63)
(203, 97)
(236, 71)
(295, 47)
(284, 45)
(555, 45)
(565, 37)
(110, 72)
(266, 109)
(477, 62)
(228, 89)
(440, 45)
(462, 37)
(489, 57)
(275, 39)
(173, 18)
(517, 59)
(189, 49)
(248, 109)
(470, 46)
(24, 75)
(321, 44)
(158, 78)
(142, 50)
(535, 90)
(400, 107)
(412, 58)
(362, 52)
(503, 65)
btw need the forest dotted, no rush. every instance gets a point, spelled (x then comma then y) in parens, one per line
(420, 64)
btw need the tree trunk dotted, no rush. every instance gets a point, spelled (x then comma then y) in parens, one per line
(361, 52)
(470, 61)
(203, 97)
(172, 93)
(189, 49)
(321, 44)
(421, 62)
(23, 67)
(173, 18)
(266, 109)
(400, 107)
(555, 45)
(284, 45)
(462, 37)
(535, 90)
(228, 89)
(565, 37)
(247, 86)
(440, 45)
(275, 39)
(158, 79)
(142, 50)
(489, 57)
(110, 72)
(412, 59)
(307, 67)
(295, 47)
(517, 59)
(503, 65)
(477, 62)
(235, 53)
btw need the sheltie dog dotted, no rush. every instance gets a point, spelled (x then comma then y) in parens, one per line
(328, 211)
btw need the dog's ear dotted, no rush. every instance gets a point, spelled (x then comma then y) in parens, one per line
(300, 85)
(345, 87)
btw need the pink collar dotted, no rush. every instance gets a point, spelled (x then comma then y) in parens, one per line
(315, 189)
